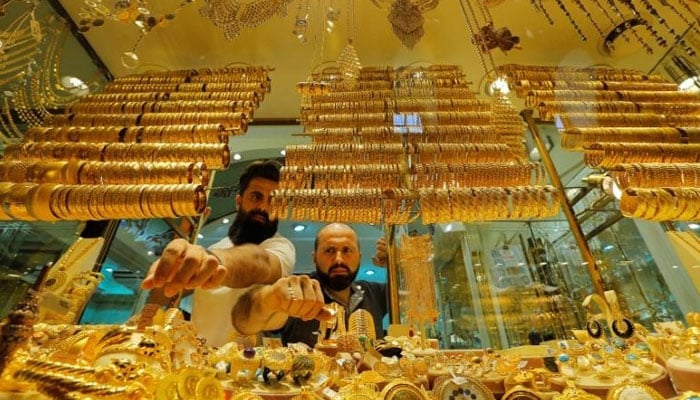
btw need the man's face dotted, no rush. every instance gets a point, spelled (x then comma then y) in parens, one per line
(337, 257)
(253, 223)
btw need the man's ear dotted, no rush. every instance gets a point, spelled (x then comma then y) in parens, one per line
(238, 201)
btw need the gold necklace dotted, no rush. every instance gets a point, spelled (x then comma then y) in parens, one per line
(58, 275)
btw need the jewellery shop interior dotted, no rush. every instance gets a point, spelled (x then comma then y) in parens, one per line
(533, 166)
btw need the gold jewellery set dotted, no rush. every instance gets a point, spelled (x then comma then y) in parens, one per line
(638, 126)
(144, 148)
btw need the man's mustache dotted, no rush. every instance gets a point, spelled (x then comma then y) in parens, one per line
(261, 213)
(339, 266)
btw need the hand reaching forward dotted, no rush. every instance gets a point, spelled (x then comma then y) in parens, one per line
(299, 296)
(381, 257)
(184, 266)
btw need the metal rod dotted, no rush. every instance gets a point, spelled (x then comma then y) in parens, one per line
(605, 225)
(568, 211)
(392, 276)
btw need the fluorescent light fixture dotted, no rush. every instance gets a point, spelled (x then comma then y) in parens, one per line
(299, 227)
(693, 226)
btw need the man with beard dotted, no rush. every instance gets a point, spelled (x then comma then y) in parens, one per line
(295, 303)
(253, 253)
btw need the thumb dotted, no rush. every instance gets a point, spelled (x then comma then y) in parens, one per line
(325, 314)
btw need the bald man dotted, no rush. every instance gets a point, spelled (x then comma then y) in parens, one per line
(294, 304)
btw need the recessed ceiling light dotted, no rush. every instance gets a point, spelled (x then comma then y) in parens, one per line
(237, 156)
(225, 221)
(299, 227)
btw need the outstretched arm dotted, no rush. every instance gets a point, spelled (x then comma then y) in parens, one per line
(267, 307)
(186, 266)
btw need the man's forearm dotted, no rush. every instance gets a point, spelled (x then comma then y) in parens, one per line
(248, 264)
(254, 312)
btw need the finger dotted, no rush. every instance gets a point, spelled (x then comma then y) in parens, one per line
(313, 299)
(325, 314)
(148, 282)
(170, 289)
(168, 264)
(217, 279)
(190, 266)
(207, 269)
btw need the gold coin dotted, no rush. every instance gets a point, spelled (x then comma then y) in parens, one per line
(167, 388)
(209, 388)
(187, 380)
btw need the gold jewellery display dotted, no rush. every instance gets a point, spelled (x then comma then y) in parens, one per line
(639, 127)
(143, 148)
(411, 141)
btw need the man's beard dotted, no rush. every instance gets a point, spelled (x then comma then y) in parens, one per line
(245, 229)
(336, 282)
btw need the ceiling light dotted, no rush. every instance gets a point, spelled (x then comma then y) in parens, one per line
(299, 227)
(237, 156)
(499, 84)
(693, 226)
(150, 252)
(200, 236)
(283, 152)
(369, 272)
(225, 221)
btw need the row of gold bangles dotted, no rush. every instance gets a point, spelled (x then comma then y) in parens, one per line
(487, 204)
(116, 87)
(341, 176)
(215, 156)
(487, 174)
(344, 153)
(252, 97)
(428, 153)
(230, 120)
(592, 119)
(609, 155)
(328, 205)
(194, 75)
(577, 138)
(93, 107)
(521, 86)
(53, 202)
(655, 175)
(402, 105)
(104, 173)
(191, 133)
(667, 204)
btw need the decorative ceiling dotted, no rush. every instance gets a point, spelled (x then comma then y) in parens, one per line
(297, 37)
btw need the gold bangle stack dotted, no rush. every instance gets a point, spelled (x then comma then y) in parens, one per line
(609, 155)
(668, 204)
(439, 175)
(487, 203)
(651, 175)
(578, 138)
